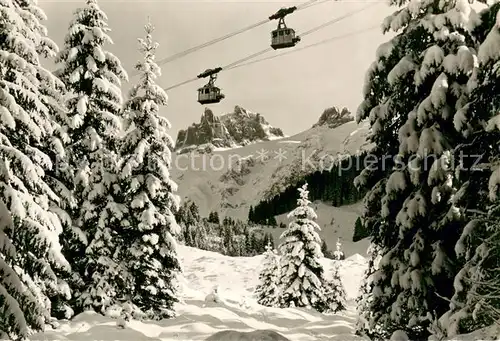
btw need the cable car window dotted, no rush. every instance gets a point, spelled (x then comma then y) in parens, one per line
(207, 90)
(275, 34)
(281, 33)
(287, 32)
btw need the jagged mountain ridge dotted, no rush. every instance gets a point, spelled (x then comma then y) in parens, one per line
(231, 180)
(236, 129)
(333, 117)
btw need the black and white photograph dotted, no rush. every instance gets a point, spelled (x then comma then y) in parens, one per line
(249, 170)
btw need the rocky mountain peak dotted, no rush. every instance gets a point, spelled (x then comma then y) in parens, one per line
(238, 128)
(240, 111)
(208, 117)
(333, 117)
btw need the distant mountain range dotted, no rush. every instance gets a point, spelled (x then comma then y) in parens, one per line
(239, 128)
(229, 180)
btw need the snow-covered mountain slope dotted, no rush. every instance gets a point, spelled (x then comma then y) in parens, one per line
(230, 181)
(235, 277)
(236, 129)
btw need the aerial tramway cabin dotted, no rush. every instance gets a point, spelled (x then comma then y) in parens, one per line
(283, 37)
(209, 93)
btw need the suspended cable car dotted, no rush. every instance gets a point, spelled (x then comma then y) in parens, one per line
(283, 37)
(209, 93)
(214, 95)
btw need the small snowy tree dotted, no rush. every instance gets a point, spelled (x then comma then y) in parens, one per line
(338, 254)
(365, 298)
(151, 226)
(301, 279)
(213, 217)
(200, 235)
(267, 290)
(335, 293)
(93, 78)
(188, 218)
(359, 231)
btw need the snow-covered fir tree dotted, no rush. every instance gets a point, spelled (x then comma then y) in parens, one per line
(267, 290)
(411, 94)
(338, 254)
(53, 91)
(93, 78)
(476, 302)
(20, 309)
(150, 192)
(188, 218)
(199, 235)
(364, 299)
(228, 240)
(26, 147)
(335, 293)
(301, 279)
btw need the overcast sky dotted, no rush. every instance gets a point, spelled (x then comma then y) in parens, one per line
(290, 91)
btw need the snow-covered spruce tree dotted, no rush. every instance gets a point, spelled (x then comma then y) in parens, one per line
(151, 200)
(411, 94)
(20, 309)
(267, 290)
(338, 254)
(335, 293)
(26, 126)
(188, 218)
(52, 90)
(365, 298)
(476, 302)
(301, 280)
(200, 235)
(93, 77)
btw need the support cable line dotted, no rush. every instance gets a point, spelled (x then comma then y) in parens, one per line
(181, 54)
(314, 3)
(333, 21)
(311, 3)
(256, 54)
(242, 60)
(325, 41)
(208, 43)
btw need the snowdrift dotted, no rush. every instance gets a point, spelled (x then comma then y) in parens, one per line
(237, 310)
(258, 335)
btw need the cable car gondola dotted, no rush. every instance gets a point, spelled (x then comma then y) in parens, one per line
(209, 93)
(283, 37)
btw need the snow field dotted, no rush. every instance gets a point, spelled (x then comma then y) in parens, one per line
(235, 278)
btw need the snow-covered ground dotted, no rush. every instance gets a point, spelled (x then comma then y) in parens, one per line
(235, 278)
